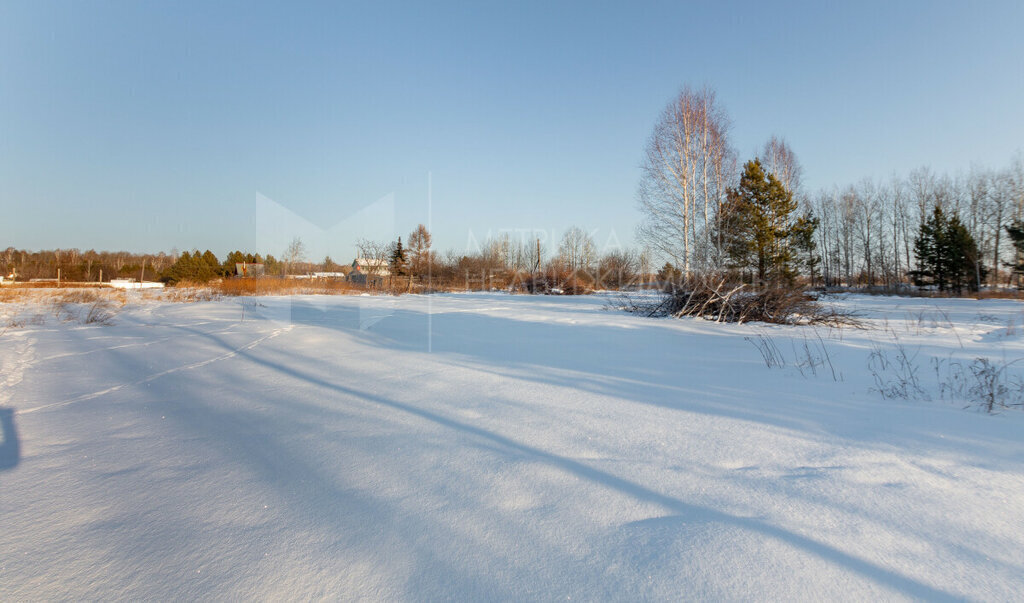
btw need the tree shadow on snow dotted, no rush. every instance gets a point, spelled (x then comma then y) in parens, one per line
(10, 445)
(651, 364)
(556, 354)
(874, 572)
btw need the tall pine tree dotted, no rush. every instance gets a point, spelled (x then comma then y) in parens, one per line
(758, 230)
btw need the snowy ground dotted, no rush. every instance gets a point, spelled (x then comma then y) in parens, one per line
(486, 446)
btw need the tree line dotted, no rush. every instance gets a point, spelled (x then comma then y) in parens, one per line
(84, 266)
(505, 261)
(498, 262)
(706, 215)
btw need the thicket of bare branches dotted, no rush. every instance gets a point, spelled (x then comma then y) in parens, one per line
(718, 300)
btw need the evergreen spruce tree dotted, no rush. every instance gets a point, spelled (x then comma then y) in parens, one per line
(947, 255)
(272, 266)
(179, 270)
(670, 274)
(235, 257)
(207, 267)
(194, 267)
(398, 262)
(965, 269)
(1016, 233)
(803, 240)
(930, 268)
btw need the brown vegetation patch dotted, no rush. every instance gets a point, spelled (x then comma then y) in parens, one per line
(722, 302)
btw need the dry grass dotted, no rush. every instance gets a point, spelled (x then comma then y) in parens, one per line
(185, 293)
(24, 306)
(80, 296)
(285, 286)
(289, 286)
(999, 294)
(52, 285)
(71, 295)
(88, 306)
(99, 312)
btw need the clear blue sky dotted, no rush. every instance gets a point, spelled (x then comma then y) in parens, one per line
(149, 126)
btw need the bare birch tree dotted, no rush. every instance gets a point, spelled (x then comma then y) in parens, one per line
(295, 253)
(684, 171)
(377, 254)
(1000, 207)
(899, 218)
(780, 160)
(577, 250)
(867, 207)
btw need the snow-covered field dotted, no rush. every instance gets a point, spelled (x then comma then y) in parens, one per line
(488, 446)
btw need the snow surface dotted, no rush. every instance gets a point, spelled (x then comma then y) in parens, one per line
(489, 446)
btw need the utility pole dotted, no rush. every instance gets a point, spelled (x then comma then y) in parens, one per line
(536, 266)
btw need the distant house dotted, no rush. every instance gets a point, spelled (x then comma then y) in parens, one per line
(343, 273)
(367, 271)
(130, 283)
(249, 269)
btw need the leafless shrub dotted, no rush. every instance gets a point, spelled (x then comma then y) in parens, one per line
(721, 302)
(575, 286)
(895, 377)
(187, 294)
(951, 377)
(949, 323)
(922, 321)
(989, 387)
(81, 305)
(812, 355)
(634, 303)
(553, 283)
(79, 296)
(983, 382)
(100, 312)
(770, 353)
(64, 311)
(19, 320)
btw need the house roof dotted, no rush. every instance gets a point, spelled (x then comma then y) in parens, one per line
(369, 262)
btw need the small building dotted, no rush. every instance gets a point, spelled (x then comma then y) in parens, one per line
(130, 283)
(367, 271)
(343, 273)
(249, 269)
